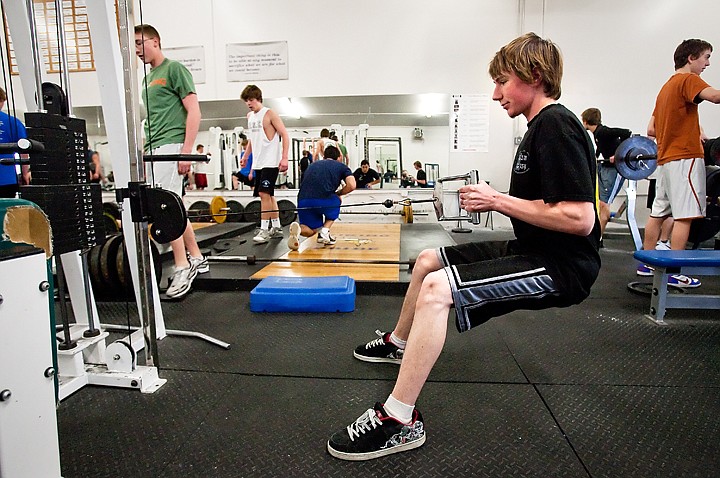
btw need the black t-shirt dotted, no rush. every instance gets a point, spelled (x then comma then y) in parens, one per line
(608, 139)
(363, 179)
(422, 176)
(554, 163)
(322, 178)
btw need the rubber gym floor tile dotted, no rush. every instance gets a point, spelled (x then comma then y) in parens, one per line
(279, 426)
(311, 344)
(111, 432)
(594, 343)
(639, 431)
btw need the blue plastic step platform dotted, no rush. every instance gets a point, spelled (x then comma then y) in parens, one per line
(304, 294)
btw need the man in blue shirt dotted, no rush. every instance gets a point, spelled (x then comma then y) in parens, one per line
(319, 198)
(11, 130)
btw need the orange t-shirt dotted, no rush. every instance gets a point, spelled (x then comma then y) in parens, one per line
(677, 123)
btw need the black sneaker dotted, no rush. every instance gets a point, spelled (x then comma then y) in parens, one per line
(375, 434)
(379, 350)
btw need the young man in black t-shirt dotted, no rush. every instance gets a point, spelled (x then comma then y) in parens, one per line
(552, 263)
(365, 176)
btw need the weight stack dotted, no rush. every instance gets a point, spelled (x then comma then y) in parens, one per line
(75, 212)
(60, 182)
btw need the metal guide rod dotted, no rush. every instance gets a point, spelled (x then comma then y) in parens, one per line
(60, 19)
(37, 63)
(137, 174)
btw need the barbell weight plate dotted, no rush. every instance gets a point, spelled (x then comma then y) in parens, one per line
(108, 257)
(252, 212)
(218, 209)
(636, 158)
(645, 288)
(123, 267)
(199, 212)
(112, 209)
(224, 245)
(711, 149)
(110, 224)
(236, 211)
(408, 213)
(705, 228)
(286, 211)
(122, 263)
(94, 268)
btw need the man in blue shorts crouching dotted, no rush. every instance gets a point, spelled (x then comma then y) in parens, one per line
(320, 195)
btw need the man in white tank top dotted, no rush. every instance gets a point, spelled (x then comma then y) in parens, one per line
(268, 141)
(324, 142)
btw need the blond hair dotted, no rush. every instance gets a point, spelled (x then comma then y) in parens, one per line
(527, 56)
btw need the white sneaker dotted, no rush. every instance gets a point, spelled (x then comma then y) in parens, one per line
(276, 232)
(326, 239)
(662, 246)
(199, 263)
(294, 239)
(262, 236)
(181, 282)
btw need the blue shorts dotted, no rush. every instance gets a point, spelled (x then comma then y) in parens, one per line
(323, 209)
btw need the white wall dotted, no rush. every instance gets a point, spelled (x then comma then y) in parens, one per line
(617, 55)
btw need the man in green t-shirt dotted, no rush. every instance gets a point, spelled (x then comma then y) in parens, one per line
(171, 127)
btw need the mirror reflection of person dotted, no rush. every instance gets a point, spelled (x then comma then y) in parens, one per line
(365, 176)
(420, 175)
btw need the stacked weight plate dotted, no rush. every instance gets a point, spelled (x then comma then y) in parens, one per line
(60, 183)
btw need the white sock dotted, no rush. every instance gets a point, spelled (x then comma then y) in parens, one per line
(325, 231)
(396, 341)
(400, 411)
(265, 224)
(276, 222)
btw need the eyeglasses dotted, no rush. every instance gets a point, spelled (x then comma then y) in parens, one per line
(140, 42)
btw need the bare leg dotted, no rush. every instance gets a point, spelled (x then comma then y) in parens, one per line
(427, 336)
(680, 234)
(306, 231)
(183, 244)
(666, 229)
(604, 215)
(178, 249)
(268, 203)
(426, 263)
(652, 232)
(190, 242)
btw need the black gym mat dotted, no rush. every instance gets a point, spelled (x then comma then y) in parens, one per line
(591, 390)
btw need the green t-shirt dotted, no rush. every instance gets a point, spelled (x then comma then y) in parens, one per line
(164, 88)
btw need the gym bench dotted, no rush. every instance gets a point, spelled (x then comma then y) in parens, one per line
(687, 262)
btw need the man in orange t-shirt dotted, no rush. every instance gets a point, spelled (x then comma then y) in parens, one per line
(681, 184)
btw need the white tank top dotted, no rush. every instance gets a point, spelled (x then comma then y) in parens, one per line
(328, 142)
(266, 152)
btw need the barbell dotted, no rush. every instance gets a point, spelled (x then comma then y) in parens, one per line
(219, 209)
(636, 157)
(251, 260)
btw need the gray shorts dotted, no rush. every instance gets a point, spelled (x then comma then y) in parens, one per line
(680, 190)
(609, 182)
(487, 280)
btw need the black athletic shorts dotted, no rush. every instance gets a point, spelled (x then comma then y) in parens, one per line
(265, 181)
(489, 279)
